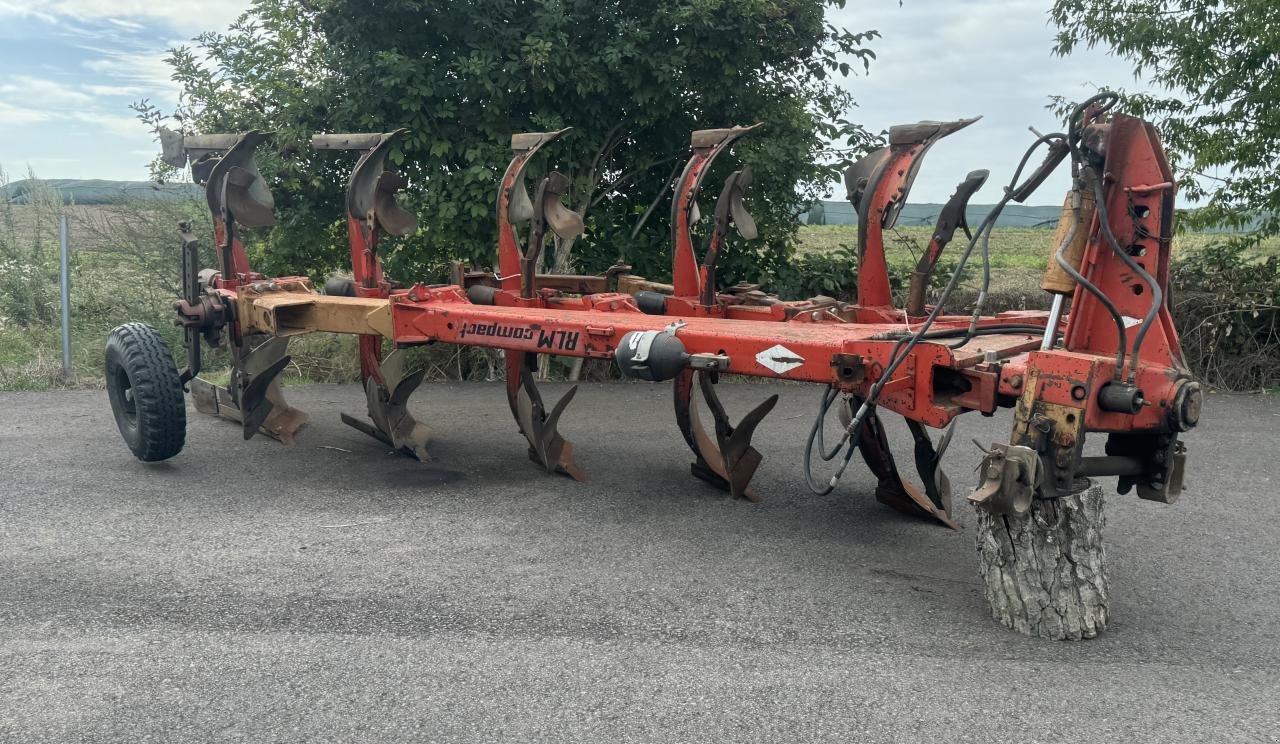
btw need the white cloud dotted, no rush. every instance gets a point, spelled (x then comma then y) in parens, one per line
(114, 90)
(146, 70)
(19, 9)
(121, 126)
(942, 59)
(17, 116)
(126, 25)
(26, 100)
(67, 116)
(184, 16)
(41, 92)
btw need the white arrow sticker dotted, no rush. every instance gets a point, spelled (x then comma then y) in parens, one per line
(779, 359)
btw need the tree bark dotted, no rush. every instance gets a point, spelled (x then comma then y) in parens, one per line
(564, 255)
(666, 186)
(1045, 572)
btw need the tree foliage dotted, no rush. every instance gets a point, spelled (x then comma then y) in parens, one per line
(632, 77)
(1218, 62)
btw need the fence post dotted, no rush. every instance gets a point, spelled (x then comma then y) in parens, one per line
(65, 264)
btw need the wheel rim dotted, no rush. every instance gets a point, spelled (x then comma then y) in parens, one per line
(124, 390)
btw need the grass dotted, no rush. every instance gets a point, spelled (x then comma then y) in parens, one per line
(1011, 248)
(1018, 255)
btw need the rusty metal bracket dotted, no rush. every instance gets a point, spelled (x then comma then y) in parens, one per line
(392, 423)
(255, 399)
(1010, 478)
(728, 461)
(538, 425)
(891, 489)
(371, 188)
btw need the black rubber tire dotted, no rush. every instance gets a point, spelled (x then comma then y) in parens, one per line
(146, 392)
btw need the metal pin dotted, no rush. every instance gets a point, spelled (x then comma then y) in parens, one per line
(1051, 328)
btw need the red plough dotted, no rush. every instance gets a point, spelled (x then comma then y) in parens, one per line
(1111, 366)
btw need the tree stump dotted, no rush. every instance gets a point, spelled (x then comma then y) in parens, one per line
(1045, 572)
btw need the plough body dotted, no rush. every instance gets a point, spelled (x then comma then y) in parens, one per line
(1111, 366)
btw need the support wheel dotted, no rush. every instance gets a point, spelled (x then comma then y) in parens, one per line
(1045, 571)
(145, 392)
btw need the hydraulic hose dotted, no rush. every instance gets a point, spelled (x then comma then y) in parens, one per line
(1157, 296)
(1102, 103)
(904, 346)
(1098, 294)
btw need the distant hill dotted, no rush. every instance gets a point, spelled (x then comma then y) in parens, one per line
(1014, 215)
(96, 191)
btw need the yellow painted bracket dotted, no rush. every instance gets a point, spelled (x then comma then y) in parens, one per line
(294, 308)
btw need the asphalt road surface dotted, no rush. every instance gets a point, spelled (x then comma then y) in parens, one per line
(332, 592)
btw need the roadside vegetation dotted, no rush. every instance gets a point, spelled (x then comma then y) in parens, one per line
(125, 265)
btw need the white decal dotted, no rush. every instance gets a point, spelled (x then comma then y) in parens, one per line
(779, 359)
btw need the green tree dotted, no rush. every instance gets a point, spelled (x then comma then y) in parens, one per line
(632, 77)
(1218, 63)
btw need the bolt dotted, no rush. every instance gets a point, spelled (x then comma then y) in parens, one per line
(1078, 392)
(1015, 382)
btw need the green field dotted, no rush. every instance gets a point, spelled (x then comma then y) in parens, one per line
(1013, 247)
(1018, 254)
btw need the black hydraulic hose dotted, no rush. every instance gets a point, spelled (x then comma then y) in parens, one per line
(823, 452)
(1157, 296)
(988, 224)
(989, 330)
(815, 433)
(904, 346)
(1104, 102)
(1065, 265)
(982, 233)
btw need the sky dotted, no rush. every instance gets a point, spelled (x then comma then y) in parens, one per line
(70, 68)
(952, 59)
